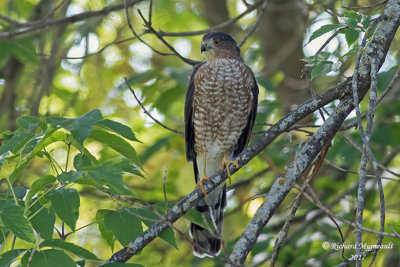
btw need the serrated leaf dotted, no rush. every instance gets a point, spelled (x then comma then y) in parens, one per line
(109, 176)
(351, 35)
(321, 31)
(69, 177)
(38, 185)
(48, 258)
(10, 256)
(117, 143)
(42, 220)
(118, 128)
(14, 219)
(28, 122)
(78, 251)
(107, 235)
(79, 127)
(321, 68)
(66, 203)
(352, 14)
(124, 225)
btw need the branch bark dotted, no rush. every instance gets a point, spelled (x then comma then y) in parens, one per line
(377, 49)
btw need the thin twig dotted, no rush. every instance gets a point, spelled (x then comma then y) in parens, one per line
(164, 190)
(214, 28)
(256, 23)
(148, 113)
(150, 29)
(365, 7)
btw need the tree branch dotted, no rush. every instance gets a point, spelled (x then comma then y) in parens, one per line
(30, 30)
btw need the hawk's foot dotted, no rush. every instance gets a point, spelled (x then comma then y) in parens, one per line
(225, 166)
(200, 184)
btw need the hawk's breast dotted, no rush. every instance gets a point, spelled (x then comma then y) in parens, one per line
(221, 104)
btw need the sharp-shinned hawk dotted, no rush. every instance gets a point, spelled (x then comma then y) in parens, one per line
(220, 108)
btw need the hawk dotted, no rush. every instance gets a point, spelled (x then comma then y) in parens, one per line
(220, 108)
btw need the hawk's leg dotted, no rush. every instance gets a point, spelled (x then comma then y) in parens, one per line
(200, 183)
(225, 165)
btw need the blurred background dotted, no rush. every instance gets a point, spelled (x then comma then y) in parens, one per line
(51, 66)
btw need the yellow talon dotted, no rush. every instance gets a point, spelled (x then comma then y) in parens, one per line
(225, 165)
(200, 184)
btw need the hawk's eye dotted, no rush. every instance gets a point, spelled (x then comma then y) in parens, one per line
(217, 41)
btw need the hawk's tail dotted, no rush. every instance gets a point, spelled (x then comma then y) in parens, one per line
(212, 209)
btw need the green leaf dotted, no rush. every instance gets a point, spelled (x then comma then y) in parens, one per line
(65, 202)
(69, 177)
(195, 216)
(109, 176)
(42, 220)
(117, 143)
(14, 219)
(48, 258)
(352, 14)
(168, 235)
(321, 68)
(351, 35)
(3, 158)
(10, 256)
(34, 146)
(125, 226)
(120, 264)
(107, 235)
(78, 251)
(28, 122)
(79, 127)
(24, 50)
(38, 185)
(19, 192)
(118, 128)
(16, 142)
(321, 31)
(384, 79)
(81, 161)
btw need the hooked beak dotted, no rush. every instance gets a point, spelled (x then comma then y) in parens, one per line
(203, 47)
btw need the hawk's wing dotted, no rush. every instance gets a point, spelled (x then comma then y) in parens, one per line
(244, 138)
(189, 128)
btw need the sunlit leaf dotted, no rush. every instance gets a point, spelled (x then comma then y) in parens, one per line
(14, 219)
(38, 185)
(324, 29)
(79, 127)
(10, 256)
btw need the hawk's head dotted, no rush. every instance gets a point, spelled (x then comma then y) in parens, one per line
(219, 45)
